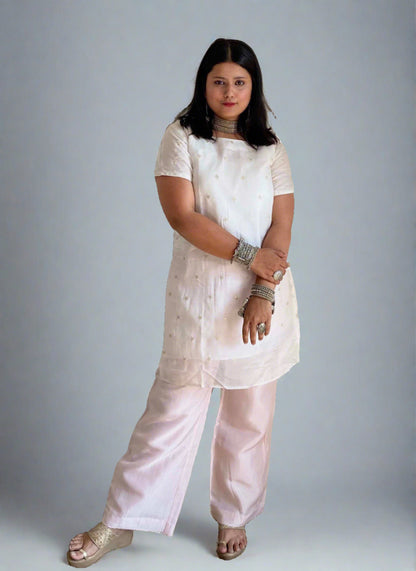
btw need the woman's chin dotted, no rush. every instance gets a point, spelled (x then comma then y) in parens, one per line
(229, 114)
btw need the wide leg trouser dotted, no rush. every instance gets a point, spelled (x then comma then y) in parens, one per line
(151, 478)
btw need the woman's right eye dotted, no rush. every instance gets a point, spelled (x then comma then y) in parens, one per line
(218, 82)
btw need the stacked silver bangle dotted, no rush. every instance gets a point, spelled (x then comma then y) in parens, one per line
(263, 291)
(244, 253)
(258, 290)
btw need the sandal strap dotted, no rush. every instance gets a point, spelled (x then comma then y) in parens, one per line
(101, 534)
(224, 526)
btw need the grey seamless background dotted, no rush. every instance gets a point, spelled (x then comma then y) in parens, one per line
(87, 89)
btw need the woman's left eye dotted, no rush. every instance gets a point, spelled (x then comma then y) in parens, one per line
(239, 82)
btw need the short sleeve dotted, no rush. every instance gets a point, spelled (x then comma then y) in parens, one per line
(173, 157)
(281, 172)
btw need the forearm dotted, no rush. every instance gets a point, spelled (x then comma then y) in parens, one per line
(277, 237)
(206, 235)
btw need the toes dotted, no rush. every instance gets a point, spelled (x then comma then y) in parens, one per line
(222, 548)
(76, 555)
(79, 542)
(76, 541)
(233, 544)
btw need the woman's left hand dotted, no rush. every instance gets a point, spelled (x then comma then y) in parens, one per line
(258, 310)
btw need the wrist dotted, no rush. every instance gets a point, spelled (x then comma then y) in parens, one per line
(244, 253)
(242, 309)
(262, 292)
(261, 281)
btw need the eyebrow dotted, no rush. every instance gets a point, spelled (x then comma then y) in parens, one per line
(236, 77)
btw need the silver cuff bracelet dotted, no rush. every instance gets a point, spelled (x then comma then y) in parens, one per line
(244, 253)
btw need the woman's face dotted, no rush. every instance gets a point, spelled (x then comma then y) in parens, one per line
(228, 90)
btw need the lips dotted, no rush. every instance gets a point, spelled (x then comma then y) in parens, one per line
(227, 104)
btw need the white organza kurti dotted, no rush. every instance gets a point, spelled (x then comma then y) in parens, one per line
(234, 186)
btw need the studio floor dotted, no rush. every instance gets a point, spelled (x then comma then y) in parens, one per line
(319, 531)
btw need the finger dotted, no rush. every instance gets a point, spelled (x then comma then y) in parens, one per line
(253, 333)
(245, 331)
(260, 334)
(268, 326)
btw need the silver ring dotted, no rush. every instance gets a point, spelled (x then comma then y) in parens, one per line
(278, 275)
(261, 328)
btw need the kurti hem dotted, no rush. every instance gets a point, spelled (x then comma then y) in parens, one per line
(216, 383)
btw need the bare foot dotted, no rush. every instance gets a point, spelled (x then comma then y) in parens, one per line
(81, 541)
(84, 542)
(235, 540)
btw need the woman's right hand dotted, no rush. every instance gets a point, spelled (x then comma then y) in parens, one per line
(267, 261)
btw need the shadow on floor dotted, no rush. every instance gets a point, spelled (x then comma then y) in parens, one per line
(203, 532)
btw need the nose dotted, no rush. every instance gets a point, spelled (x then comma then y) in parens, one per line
(228, 90)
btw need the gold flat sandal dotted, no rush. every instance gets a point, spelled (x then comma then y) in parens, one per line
(227, 556)
(105, 539)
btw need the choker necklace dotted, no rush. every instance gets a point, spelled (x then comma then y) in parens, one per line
(224, 125)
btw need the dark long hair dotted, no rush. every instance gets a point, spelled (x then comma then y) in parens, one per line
(252, 123)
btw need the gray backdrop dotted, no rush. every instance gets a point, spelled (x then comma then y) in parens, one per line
(87, 89)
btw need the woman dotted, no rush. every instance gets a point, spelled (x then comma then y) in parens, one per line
(225, 186)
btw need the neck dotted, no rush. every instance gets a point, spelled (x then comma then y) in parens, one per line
(225, 125)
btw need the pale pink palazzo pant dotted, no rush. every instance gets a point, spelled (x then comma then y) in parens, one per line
(151, 478)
